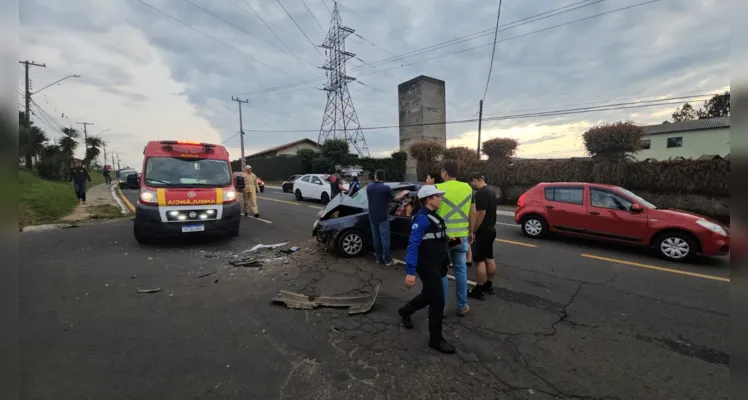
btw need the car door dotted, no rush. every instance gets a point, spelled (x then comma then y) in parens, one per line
(317, 186)
(400, 226)
(303, 185)
(609, 216)
(565, 207)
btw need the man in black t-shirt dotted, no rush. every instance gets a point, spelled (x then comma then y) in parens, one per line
(485, 235)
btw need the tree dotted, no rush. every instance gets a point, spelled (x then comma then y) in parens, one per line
(93, 150)
(717, 106)
(69, 143)
(425, 152)
(307, 157)
(684, 113)
(500, 149)
(612, 142)
(335, 150)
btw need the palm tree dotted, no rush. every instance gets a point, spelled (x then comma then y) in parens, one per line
(93, 149)
(31, 140)
(68, 142)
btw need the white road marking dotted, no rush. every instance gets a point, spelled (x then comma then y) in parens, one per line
(504, 223)
(506, 213)
(262, 220)
(449, 276)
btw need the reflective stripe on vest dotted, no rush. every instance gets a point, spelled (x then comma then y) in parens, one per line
(455, 208)
(437, 235)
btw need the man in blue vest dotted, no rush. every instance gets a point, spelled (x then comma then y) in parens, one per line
(428, 257)
(458, 211)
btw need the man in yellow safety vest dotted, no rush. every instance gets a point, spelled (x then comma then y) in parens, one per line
(458, 211)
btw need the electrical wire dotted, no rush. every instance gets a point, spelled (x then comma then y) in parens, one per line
(312, 14)
(175, 19)
(301, 30)
(269, 90)
(493, 52)
(438, 46)
(569, 111)
(232, 136)
(328, 8)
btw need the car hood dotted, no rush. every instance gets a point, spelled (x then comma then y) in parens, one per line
(675, 213)
(337, 201)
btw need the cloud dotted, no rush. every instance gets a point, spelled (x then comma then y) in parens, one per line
(146, 76)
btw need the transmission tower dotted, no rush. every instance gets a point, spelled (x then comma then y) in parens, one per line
(340, 120)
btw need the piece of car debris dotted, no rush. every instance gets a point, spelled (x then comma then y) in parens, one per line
(355, 304)
(149, 290)
(246, 263)
(206, 274)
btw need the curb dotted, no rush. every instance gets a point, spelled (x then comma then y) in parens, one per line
(124, 199)
(117, 198)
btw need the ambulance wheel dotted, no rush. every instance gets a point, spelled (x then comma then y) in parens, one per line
(350, 243)
(234, 233)
(142, 237)
(325, 198)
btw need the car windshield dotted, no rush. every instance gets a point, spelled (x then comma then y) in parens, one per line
(638, 199)
(168, 171)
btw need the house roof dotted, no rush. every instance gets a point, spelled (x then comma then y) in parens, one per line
(684, 126)
(283, 146)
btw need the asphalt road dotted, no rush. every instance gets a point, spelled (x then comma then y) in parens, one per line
(571, 319)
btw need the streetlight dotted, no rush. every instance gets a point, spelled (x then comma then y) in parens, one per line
(55, 82)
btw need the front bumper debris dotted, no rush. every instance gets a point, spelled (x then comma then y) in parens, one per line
(355, 304)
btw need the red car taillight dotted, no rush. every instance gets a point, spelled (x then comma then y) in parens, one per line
(521, 200)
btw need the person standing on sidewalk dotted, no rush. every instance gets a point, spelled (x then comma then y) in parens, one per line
(251, 188)
(79, 176)
(458, 211)
(107, 176)
(485, 235)
(428, 256)
(379, 197)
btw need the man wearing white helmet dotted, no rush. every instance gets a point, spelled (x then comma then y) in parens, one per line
(428, 256)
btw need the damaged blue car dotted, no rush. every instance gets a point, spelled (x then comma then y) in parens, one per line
(344, 223)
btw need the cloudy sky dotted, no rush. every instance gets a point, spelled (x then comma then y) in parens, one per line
(147, 76)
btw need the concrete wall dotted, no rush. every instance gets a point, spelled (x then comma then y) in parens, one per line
(695, 144)
(421, 100)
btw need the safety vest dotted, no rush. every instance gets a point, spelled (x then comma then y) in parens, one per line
(455, 208)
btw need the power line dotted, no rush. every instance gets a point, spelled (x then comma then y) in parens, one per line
(493, 52)
(312, 14)
(328, 8)
(569, 111)
(274, 68)
(267, 25)
(458, 40)
(297, 25)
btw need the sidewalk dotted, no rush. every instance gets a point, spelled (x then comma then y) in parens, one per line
(99, 205)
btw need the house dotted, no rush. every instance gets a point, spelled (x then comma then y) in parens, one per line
(288, 149)
(695, 139)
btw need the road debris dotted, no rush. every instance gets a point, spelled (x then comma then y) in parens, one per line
(252, 262)
(355, 304)
(149, 290)
(206, 274)
(265, 246)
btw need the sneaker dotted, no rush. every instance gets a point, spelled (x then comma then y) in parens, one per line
(389, 263)
(477, 293)
(488, 289)
(442, 346)
(465, 311)
(405, 319)
(257, 215)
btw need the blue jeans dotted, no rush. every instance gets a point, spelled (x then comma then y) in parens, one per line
(80, 190)
(380, 236)
(458, 256)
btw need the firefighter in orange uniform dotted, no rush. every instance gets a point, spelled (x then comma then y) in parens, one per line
(250, 191)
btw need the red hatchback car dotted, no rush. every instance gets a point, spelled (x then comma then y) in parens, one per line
(614, 214)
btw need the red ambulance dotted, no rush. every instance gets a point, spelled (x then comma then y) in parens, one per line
(185, 187)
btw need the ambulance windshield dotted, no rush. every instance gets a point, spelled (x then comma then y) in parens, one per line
(170, 172)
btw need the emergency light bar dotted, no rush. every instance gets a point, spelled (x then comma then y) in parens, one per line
(169, 145)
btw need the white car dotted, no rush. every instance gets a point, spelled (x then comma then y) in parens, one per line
(313, 186)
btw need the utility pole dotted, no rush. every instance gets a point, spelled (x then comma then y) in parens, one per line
(104, 145)
(241, 126)
(85, 139)
(26, 65)
(480, 121)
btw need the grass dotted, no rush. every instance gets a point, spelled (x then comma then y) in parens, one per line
(43, 201)
(105, 211)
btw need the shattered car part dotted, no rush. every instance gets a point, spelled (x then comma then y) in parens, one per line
(246, 263)
(149, 290)
(355, 304)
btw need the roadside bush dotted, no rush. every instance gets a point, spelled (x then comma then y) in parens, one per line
(500, 149)
(426, 152)
(612, 142)
(393, 166)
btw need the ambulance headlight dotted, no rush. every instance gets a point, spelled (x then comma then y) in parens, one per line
(229, 195)
(147, 196)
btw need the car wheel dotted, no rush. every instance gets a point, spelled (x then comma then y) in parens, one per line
(142, 237)
(325, 198)
(299, 197)
(534, 226)
(350, 243)
(675, 246)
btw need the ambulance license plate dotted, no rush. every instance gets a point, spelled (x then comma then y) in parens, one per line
(193, 228)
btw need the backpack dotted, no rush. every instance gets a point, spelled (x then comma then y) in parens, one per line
(239, 183)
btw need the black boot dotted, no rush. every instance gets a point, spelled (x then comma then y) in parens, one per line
(477, 293)
(441, 345)
(488, 287)
(405, 319)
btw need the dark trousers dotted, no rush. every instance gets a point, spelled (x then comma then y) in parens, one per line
(432, 295)
(80, 190)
